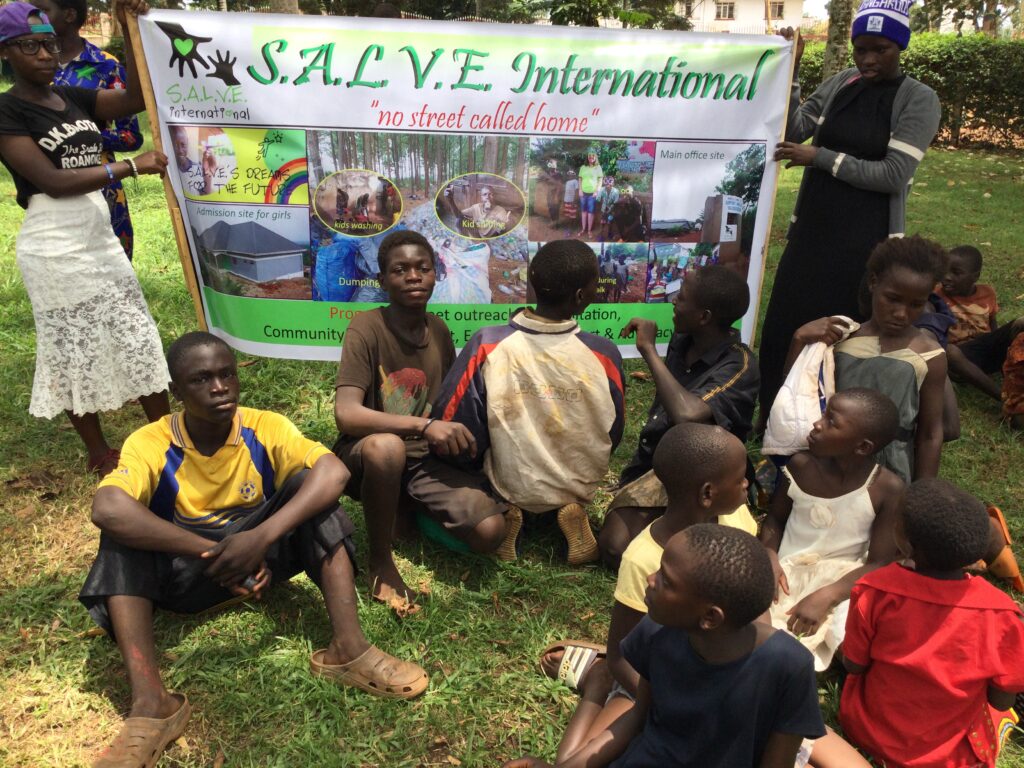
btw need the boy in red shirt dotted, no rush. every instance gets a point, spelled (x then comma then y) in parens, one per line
(979, 346)
(931, 650)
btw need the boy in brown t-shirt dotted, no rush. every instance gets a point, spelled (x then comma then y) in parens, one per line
(392, 363)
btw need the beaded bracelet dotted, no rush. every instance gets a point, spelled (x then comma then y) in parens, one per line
(110, 172)
(135, 169)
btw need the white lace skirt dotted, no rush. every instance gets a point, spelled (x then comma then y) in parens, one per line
(96, 343)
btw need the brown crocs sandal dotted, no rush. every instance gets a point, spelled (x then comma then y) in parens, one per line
(375, 672)
(575, 526)
(142, 740)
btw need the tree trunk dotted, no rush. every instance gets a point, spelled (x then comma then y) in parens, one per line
(840, 19)
(284, 6)
(521, 162)
(490, 154)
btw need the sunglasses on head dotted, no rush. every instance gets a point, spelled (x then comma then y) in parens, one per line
(31, 47)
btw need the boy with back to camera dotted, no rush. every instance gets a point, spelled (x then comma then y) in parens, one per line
(709, 376)
(210, 504)
(979, 346)
(716, 688)
(703, 469)
(392, 364)
(933, 653)
(543, 400)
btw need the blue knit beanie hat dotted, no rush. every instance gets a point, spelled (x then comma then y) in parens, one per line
(886, 18)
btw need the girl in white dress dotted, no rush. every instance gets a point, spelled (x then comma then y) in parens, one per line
(832, 519)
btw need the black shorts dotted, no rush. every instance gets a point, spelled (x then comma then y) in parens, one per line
(177, 583)
(456, 498)
(988, 351)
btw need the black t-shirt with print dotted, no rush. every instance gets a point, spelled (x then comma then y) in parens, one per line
(69, 137)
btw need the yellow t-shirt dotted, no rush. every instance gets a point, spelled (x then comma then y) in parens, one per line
(161, 468)
(643, 557)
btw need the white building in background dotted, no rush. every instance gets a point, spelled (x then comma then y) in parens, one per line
(741, 16)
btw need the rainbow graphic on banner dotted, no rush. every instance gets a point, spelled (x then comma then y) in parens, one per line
(288, 178)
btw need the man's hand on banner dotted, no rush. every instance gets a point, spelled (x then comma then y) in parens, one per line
(184, 48)
(798, 53)
(795, 154)
(224, 68)
(134, 7)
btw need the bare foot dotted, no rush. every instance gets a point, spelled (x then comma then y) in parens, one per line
(388, 587)
(159, 707)
(550, 662)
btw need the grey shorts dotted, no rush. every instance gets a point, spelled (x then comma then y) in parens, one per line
(458, 499)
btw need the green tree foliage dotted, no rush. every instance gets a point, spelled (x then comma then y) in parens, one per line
(743, 175)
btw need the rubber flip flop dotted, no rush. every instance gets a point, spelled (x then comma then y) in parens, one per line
(578, 656)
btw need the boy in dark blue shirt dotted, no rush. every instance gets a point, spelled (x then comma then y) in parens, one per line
(717, 689)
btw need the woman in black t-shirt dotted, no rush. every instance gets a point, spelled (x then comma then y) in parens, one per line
(97, 346)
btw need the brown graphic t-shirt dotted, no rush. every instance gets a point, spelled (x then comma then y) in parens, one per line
(395, 376)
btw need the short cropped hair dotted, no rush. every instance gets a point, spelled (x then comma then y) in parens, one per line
(722, 292)
(971, 256)
(731, 569)
(184, 344)
(80, 7)
(400, 238)
(560, 268)
(916, 253)
(881, 418)
(945, 524)
(689, 455)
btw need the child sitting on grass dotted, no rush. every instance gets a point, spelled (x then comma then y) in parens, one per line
(716, 688)
(543, 400)
(887, 353)
(832, 519)
(708, 376)
(703, 469)
(981, 344)
(929, 648)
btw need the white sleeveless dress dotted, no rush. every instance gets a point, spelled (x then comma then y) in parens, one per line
(824, 540)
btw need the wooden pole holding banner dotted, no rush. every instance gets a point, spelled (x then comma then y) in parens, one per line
(177, 223)
(754, 336)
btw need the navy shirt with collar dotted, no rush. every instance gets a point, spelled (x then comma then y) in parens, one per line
(726, 377)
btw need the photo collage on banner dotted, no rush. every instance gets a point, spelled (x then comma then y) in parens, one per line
(259, 231)
(299, 143)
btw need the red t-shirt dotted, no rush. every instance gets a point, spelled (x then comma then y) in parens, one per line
(931, 648)
(974, 314)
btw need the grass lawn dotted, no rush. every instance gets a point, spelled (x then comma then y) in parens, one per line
(484, 623)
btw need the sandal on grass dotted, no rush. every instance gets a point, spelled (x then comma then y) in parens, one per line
(1005, 565)
(142, 740)
(375, 672)
(578, 656)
